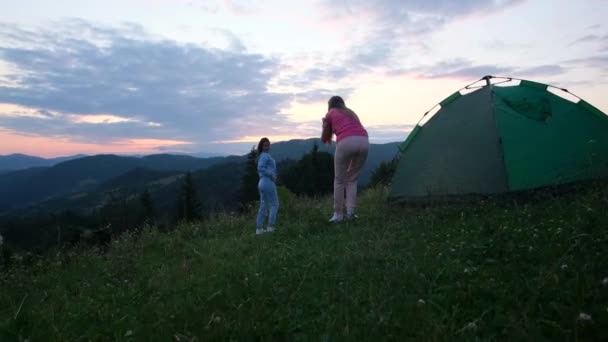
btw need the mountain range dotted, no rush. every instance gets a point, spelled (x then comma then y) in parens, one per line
(18, 161)
(84, 181)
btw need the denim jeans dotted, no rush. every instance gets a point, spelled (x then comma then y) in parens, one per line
(269, 202)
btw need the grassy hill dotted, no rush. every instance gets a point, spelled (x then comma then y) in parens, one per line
(484, 270)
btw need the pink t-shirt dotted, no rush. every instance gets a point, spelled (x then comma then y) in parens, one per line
(344, 125)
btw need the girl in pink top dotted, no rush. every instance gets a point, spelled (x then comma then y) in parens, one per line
(351, 154)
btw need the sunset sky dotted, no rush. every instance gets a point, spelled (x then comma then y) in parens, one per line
(154, 76)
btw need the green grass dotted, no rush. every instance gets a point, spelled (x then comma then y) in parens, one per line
(484, 270)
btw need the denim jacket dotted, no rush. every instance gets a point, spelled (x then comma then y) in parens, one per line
(267, 167)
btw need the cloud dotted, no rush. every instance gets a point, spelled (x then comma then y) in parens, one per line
(321, 95)
(389, 133)
(382, 34)
(473, 72)
(598, 62)
(590, 38)
(394, 24)
(188, 92)
(586, 39)
(414, 16)
(467, 70)
(233, 42)
(240, 7)
(459, 68)
(541, 70)
(235, 7)
(600, 41)
(505, 45)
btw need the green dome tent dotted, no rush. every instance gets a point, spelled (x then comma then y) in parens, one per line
(500, 137)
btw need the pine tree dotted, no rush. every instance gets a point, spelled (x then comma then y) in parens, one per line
(147, 205)
(312, 175)
(188, 205)
(249, 183)
(316, 171)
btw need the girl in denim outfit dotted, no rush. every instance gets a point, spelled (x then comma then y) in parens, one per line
(269, 201)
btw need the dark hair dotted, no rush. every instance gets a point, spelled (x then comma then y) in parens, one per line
(336, 102)
(261, 143)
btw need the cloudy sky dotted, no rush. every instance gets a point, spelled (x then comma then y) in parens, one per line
(148, 76)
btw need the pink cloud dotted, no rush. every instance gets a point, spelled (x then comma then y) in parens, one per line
(42, 146)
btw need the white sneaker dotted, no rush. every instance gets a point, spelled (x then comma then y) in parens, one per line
(351, 216)
(336, 218)
(269, 230)
(259, 231)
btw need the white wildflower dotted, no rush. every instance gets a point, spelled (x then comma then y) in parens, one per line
(584, 317)
(421, 302)
(605, 281)
(470, 326)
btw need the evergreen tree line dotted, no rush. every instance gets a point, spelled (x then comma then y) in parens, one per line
(311, 176)
(120, 213)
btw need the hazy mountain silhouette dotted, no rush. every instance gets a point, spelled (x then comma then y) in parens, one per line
(101, 173)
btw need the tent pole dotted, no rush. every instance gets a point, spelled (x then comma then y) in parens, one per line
(487, 78)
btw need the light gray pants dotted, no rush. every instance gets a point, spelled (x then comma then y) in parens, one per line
(351, 154)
